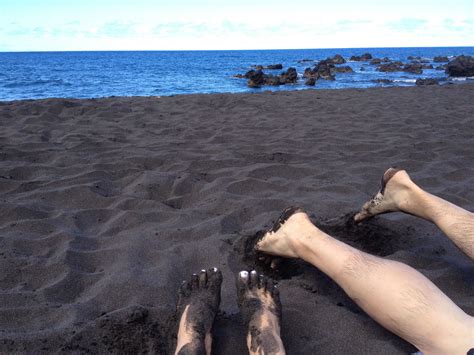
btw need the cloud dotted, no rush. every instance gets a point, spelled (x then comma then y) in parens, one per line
(407, 24)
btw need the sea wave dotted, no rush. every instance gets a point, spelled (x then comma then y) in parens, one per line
(404, 80)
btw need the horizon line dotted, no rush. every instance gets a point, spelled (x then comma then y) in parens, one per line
(221, 50)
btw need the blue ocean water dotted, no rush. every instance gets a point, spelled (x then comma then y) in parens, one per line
(34, 75)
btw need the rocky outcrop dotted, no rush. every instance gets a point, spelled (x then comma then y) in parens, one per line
(270, 66)
(290, 76)
(428, 81)
(376, 61)
(324, 70)
(256, 78)
(362, 58)
(413, 68)
(342, 69)
(389, 67)
(441, 67)
(440, 59)
(337, 59)
(310, 82)
(461, 66)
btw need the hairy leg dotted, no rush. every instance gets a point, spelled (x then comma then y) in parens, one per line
(394, 294)
(260, 306)
(198, 303)
(400, 193)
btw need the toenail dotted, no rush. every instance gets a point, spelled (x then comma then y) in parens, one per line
(253, 272)
(203, 270)
(244, 274)
(214, 269)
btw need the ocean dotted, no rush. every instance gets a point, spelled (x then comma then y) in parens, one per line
(36, 75)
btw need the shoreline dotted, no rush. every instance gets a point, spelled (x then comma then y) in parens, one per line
(264, 90)
(109, 203)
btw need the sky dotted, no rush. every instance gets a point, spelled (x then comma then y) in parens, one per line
(68, 25)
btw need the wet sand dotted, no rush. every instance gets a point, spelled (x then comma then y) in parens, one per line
(108, 204)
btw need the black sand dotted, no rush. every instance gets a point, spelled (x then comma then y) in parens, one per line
(107, 205)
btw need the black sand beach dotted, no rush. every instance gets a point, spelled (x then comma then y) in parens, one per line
(108, 204)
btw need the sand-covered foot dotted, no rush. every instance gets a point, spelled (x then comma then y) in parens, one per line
(394, 192)
(198, 303)
(260, 307)
(280, 240)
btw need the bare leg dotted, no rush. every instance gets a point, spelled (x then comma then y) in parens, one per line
(197, 306)
(400, 193)
(395, 295)
(259, 304)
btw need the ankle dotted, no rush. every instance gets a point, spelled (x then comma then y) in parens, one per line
(301, 232)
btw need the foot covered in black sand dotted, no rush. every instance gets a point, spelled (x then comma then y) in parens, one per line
(381, 202)
(275, 243)
(198, 303)
(260, 307)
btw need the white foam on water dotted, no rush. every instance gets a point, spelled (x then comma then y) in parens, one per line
(404, 80)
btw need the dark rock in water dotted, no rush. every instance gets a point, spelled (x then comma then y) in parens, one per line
(413, 68)
(310, 73)
(290, 76)
(440, 59)
(310, 82)
(362, 69)
(428, 81)
(461, 66)
(247, 75)
(343, 69)
(427, 66)
(363, 58)
(376, 61)
(256, 79)
(337, 59)
(273, 80)
(274, 66)
(383, 81)
(270, 66)
(325, 70)
(441, 67)
(385, 60)
(305, 60)
(389, 67)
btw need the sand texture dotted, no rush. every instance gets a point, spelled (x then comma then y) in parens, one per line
(108, 204)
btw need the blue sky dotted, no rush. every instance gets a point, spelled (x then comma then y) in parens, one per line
(51, 25)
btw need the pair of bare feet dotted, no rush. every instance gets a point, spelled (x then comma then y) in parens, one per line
(259, 304)
(394, 195)
(294, 236)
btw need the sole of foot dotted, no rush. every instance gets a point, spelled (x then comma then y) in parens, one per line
(386, 199)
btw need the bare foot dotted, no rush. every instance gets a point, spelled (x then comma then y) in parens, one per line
(281, 239)
(392, 196)
(198, 303)
(260, 306)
